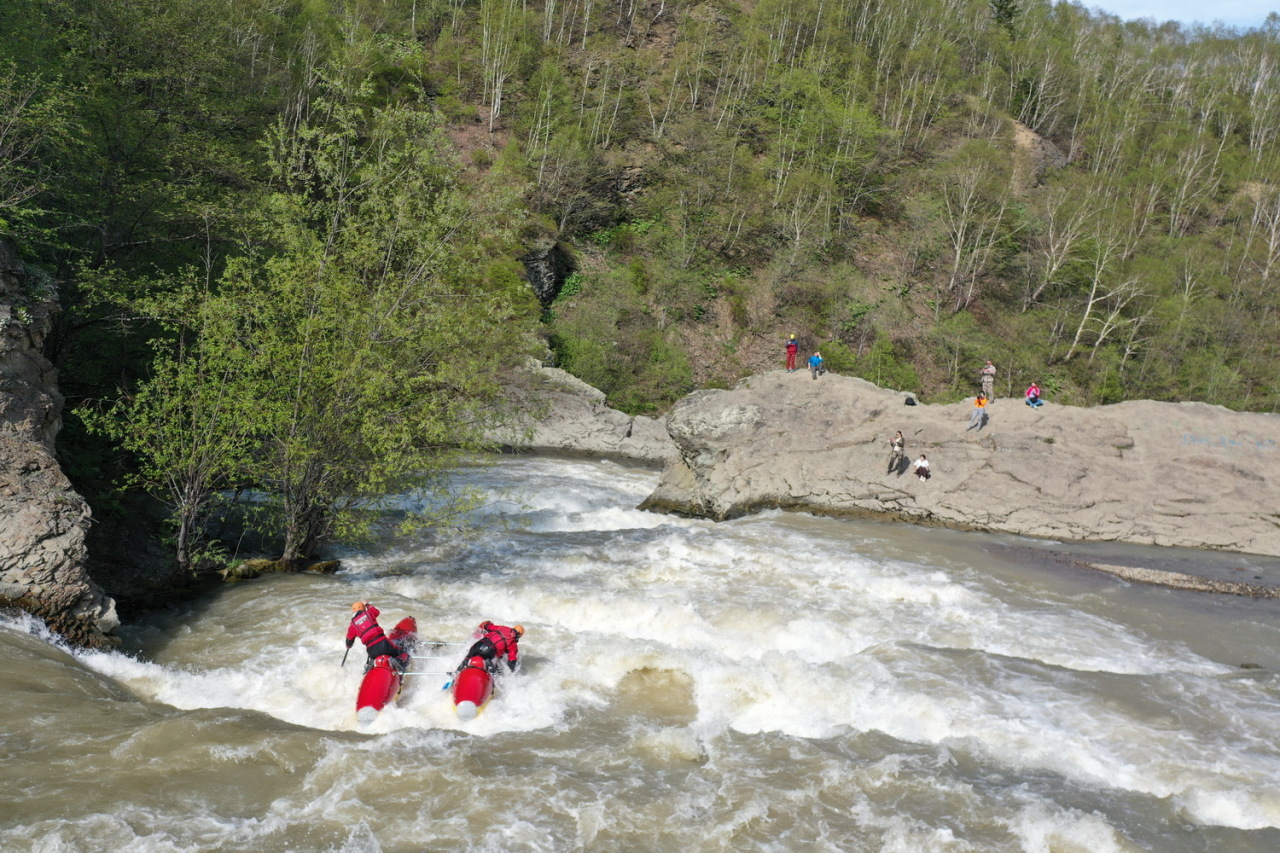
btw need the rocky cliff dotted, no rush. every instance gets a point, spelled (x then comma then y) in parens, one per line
(567, 416)
(1187, 474)
(43, 522)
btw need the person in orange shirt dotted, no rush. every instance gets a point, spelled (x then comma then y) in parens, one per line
(979, 416)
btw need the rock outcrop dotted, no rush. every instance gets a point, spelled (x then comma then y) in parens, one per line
(43, 522)
(1187, 474)
(569, 417)
(547, 264)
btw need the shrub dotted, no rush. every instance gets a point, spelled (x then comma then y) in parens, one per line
(888, 368)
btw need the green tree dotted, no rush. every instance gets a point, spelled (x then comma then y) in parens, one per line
(35, 128)
(361, 338)
(187, 425)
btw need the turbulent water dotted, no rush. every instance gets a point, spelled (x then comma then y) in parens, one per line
(776, 683)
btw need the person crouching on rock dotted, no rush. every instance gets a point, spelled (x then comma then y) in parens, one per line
(364, 626)
(816, 365)
(496, 641)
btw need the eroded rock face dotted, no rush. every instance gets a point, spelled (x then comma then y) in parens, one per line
(43, 521)
(1186, 474)
(547, 264)
(568, 416)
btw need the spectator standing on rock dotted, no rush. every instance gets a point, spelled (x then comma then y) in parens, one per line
(816, 365)
(897, 446)
(988, 376)
(979, 416)
(922, 468)
(793, 347)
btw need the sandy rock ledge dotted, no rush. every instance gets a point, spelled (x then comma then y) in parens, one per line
(1189, 475)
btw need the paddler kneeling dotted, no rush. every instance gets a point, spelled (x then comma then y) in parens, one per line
(364, 625)
(497, 640)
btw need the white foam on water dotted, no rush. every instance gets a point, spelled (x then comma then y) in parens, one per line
(21, 622)
(671, 744)
(1042, 828)
(797, 629)
(1251, 802)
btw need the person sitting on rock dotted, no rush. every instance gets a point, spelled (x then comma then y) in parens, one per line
(1033, 396)
(922, 468)
(364, 626)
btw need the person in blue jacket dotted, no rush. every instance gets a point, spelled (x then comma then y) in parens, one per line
(816, 365)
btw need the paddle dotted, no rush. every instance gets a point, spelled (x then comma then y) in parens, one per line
(344, 657)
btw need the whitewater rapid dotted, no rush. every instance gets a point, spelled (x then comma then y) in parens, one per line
(776, 682)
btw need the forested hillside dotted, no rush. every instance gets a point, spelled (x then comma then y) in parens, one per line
(299, 224)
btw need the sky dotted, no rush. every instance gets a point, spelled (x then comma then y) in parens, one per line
(1234, 13)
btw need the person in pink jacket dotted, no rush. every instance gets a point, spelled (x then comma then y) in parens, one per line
(1033, 396)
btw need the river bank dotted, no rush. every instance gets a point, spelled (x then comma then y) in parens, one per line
(1182, 476)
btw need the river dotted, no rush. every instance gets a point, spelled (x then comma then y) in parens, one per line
(778, 683)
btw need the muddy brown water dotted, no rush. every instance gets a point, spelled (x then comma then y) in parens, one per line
(780, 683)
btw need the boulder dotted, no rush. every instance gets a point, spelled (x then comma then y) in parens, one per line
(1174, 474)
(566, 416)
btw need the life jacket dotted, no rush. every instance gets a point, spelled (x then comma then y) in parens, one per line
(503, 639)
(364, 625)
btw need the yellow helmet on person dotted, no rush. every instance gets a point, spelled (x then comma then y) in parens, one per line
(357, 606)
(519, 629)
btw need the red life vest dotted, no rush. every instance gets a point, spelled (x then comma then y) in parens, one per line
(365, 626)
(503, 639)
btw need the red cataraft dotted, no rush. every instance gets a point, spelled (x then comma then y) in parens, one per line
(472, 687)
(383, 680)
